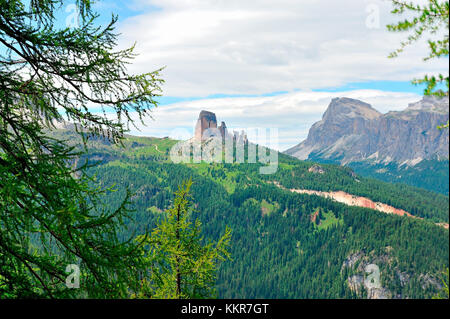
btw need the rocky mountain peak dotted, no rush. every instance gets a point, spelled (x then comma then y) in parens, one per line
(208, 116)
(352, 131)
(206, 120)
(349, 108)
(430, 104)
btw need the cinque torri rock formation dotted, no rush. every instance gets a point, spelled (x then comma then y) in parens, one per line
(207, 120)
(353, 131)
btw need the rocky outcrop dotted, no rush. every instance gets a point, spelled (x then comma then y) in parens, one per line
(316, 169)
(206, 120)
(206, 127)
(427, 280)
(367, 270)
(223, 129)
(366, 274)
(353, 131)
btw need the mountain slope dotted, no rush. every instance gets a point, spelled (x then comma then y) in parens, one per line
(279, 249)
(387, 146)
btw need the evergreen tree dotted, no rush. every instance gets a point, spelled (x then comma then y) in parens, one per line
(181, 264)
(428, 20)
(50, 215)
(443, 293)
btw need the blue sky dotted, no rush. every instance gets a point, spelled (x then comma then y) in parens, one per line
(388, 86)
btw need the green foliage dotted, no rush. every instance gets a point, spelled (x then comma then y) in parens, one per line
(51, 213)
(267, 208)
(432, 175)
(418, 202)
(444, 126)
(283, 254)
(327, 220)
(443, 293)
(182, 266)
(429, 19)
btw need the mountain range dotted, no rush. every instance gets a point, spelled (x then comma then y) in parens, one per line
(402, 146)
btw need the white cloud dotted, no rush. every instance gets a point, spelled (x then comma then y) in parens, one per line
(261, 46)
(292, 113)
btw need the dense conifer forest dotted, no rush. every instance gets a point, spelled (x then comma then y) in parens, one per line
(277, 250)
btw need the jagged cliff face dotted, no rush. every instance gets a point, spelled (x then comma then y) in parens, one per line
(205, 121)
(352, 131)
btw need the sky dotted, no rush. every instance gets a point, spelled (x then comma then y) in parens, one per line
(265, 63)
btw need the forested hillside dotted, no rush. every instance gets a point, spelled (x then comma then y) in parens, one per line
(287, 245)
(431, 174)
